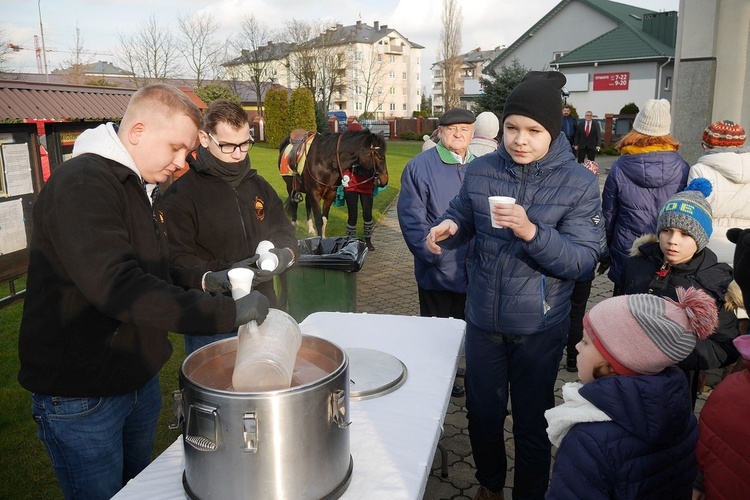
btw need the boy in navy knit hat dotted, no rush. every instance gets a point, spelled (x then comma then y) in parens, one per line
(677, 256)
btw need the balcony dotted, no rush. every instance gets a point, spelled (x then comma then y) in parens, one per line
(394, 49)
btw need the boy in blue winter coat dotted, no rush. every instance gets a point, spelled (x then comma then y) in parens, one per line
(522, 275)
(629, 431)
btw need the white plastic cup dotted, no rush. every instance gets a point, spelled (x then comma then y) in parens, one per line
(241, 279)
(268, 261)
(264, 246)
(499, 200)
(266, 353)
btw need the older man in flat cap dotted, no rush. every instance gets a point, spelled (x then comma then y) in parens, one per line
(428, 184)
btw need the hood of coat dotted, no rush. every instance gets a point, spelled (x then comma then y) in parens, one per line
(655, 408)
(103, 141)
(734, 164)
(652, 170)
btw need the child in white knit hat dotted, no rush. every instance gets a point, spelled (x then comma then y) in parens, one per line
(629, 431)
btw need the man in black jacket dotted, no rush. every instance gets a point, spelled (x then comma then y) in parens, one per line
(220, 210)
(587, 137)
(99, 301)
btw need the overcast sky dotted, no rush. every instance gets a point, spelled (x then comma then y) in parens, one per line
(486, 23)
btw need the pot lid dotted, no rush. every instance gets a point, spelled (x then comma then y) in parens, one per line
(373, 373)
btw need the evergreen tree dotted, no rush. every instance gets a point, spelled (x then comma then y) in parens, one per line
(277, 116)
(213, 91)
(302, 110)
(497, 87)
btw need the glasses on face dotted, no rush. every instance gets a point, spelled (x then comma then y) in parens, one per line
(228, 149)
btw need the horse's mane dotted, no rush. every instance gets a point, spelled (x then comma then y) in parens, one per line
(351, 142)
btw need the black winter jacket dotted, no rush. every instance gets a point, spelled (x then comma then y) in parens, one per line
(212, 225)
(99, 302)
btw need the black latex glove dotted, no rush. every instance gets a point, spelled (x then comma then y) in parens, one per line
(285, 260)
(246, 262)
(218, 281)
(741, 237)
(604, 264)
(253, 306)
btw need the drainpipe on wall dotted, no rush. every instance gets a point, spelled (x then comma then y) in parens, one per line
(658, 83)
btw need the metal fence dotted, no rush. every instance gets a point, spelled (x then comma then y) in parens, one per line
(377, 126)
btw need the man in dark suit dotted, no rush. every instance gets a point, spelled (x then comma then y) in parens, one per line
(587, 138)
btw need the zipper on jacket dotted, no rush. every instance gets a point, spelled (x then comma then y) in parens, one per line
(238, 202)
(545, 305)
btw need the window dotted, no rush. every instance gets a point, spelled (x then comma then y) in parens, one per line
(419, 106)
(380, 107)
(417, 76)
(558, 55)
(668, 83)
(417, 92)
(392, 75)
(358, 106)
(358, 56)
(392, 91)
(403, 75)
(393, 106)
(380, 57)
(403, 107)
(380, 90)
(392, 58)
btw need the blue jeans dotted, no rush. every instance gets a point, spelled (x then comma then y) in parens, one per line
(195, 342)
(96, 445)
(524, 366)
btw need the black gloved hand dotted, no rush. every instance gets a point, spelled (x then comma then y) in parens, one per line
(253, 306)
(741, 237)
(217, 282)
(246, 262)
(286, 258)
(604, 264)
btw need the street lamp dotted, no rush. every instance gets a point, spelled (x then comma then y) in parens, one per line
(41, 31)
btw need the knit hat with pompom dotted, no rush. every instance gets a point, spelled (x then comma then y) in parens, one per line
(690, 212)
(642, 334)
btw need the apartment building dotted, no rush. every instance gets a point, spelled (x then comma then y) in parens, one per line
(368, 71)
(469, 73)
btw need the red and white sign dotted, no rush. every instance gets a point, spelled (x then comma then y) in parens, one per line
(611, 81)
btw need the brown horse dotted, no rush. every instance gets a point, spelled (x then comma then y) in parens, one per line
(326, 160)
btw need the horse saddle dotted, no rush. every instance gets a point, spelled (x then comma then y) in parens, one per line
(293, 157)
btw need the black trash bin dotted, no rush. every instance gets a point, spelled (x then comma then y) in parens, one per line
(324, 277)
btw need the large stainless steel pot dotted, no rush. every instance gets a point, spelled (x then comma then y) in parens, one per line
(286, 444)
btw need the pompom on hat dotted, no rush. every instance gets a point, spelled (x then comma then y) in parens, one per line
(642, 334)
(724, 134)
(689, 211)
(539, 97)
(654, 119)
(487, 125)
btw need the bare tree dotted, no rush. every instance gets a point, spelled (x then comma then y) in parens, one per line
(316, 61)
(6, 49)
(200, 46)
(150, 54)
(450, 49)
(370, 70)
(257, 57)
(76, 66)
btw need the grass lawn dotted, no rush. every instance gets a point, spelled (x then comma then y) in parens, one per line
(25, 471)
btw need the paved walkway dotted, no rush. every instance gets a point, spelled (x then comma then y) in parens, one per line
(386, 285)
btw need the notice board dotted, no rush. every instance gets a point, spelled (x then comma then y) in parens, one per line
(20, 183)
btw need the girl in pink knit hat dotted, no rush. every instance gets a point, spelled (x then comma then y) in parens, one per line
(629, 430)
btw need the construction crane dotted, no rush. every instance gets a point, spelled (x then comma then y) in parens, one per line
(38, 51)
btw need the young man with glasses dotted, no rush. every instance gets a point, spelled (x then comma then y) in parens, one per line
(218, 212)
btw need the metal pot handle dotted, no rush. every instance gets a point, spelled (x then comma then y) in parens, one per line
(179, 414)
(338, 408)
(201, 443)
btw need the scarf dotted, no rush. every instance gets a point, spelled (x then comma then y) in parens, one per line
(576, 409)
(232, 173)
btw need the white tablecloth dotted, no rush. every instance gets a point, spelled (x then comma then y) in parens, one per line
(393, 437)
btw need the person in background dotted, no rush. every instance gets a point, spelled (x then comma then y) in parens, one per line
(99, 301)
(677, 257)
(587, 137)
(428, 183)
(569, 125)
(218, 212)
(648, 172)
(628, 430)
(522, 275)
(430, 141)
(358, 189)
(486, 129)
